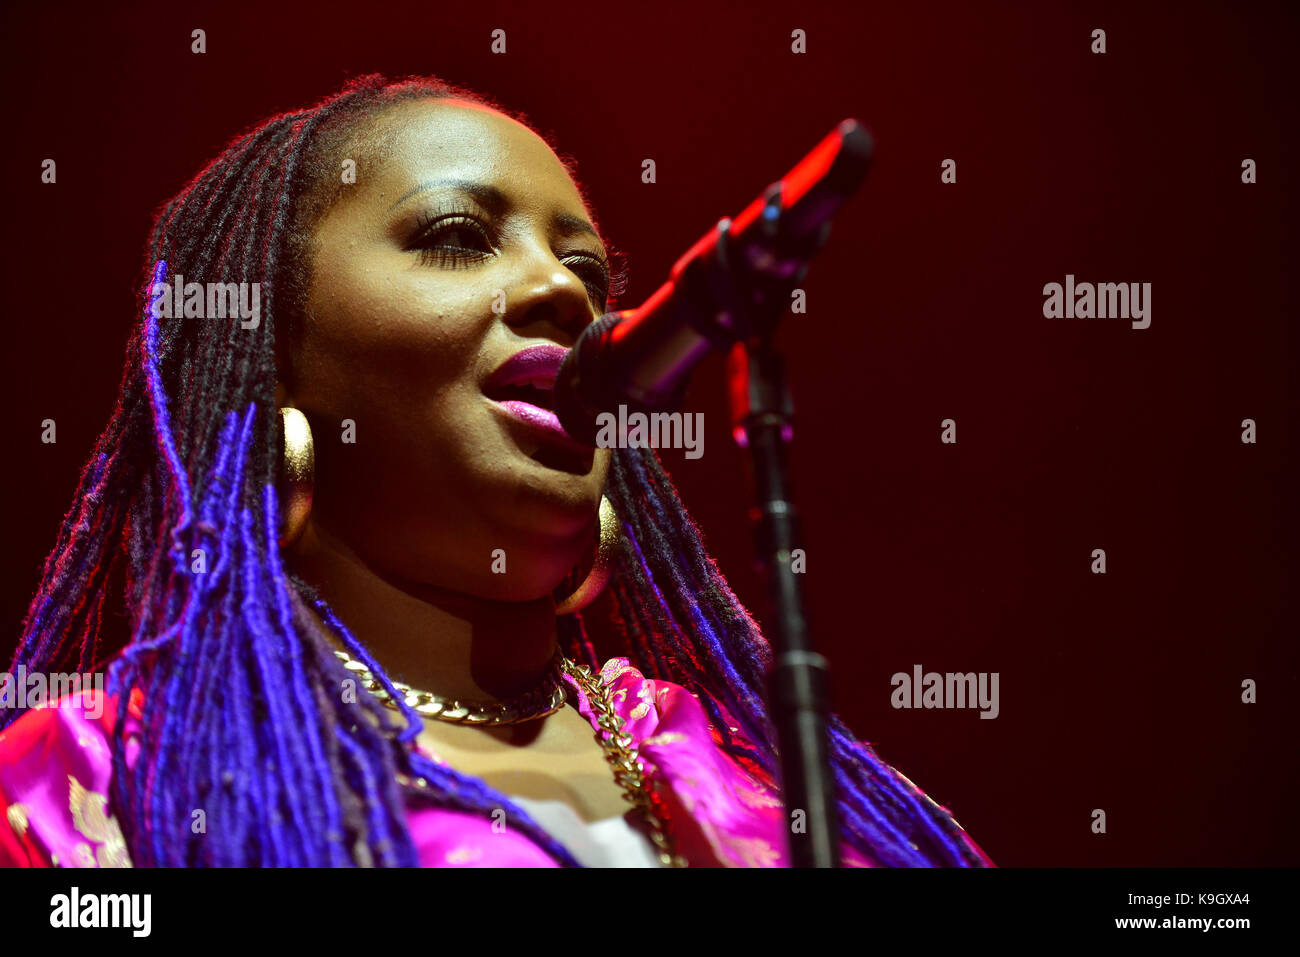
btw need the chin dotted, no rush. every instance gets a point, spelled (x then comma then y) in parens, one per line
(529, 576)
(545, 543)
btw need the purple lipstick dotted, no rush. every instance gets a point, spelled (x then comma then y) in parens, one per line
(523, 387)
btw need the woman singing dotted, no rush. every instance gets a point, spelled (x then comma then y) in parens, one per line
(346, 543)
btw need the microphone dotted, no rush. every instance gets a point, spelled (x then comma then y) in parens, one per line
(731, 285)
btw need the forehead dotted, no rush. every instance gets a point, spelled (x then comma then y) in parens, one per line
(428, 140)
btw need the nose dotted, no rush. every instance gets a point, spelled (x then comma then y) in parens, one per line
(549, 302)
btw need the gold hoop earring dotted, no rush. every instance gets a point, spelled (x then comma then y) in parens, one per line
(602, 568)
(297, 478)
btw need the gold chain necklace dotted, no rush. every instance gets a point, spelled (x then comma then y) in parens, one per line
(620, 752)
(629, 769)
(547, 698)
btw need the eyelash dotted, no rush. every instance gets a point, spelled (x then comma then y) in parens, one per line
(594, 272)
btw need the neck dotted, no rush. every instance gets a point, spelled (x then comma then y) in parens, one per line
(443, 642)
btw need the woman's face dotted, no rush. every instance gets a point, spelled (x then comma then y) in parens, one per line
(463, 244)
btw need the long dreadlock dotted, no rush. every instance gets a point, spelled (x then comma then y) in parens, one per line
(241, 716)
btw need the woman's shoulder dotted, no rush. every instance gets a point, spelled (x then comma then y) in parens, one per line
(55, 767)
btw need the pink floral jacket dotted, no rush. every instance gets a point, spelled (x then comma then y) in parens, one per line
(55, 767)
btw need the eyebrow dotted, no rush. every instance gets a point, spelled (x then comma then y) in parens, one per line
(496, 202)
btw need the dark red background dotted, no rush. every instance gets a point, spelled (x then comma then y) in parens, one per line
(1120, 691)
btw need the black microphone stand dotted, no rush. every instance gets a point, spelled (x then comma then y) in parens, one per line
(729, 292)
(798, 680)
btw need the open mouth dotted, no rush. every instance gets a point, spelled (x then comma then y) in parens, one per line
(523, 389)
(537, 429)
(524, 392)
